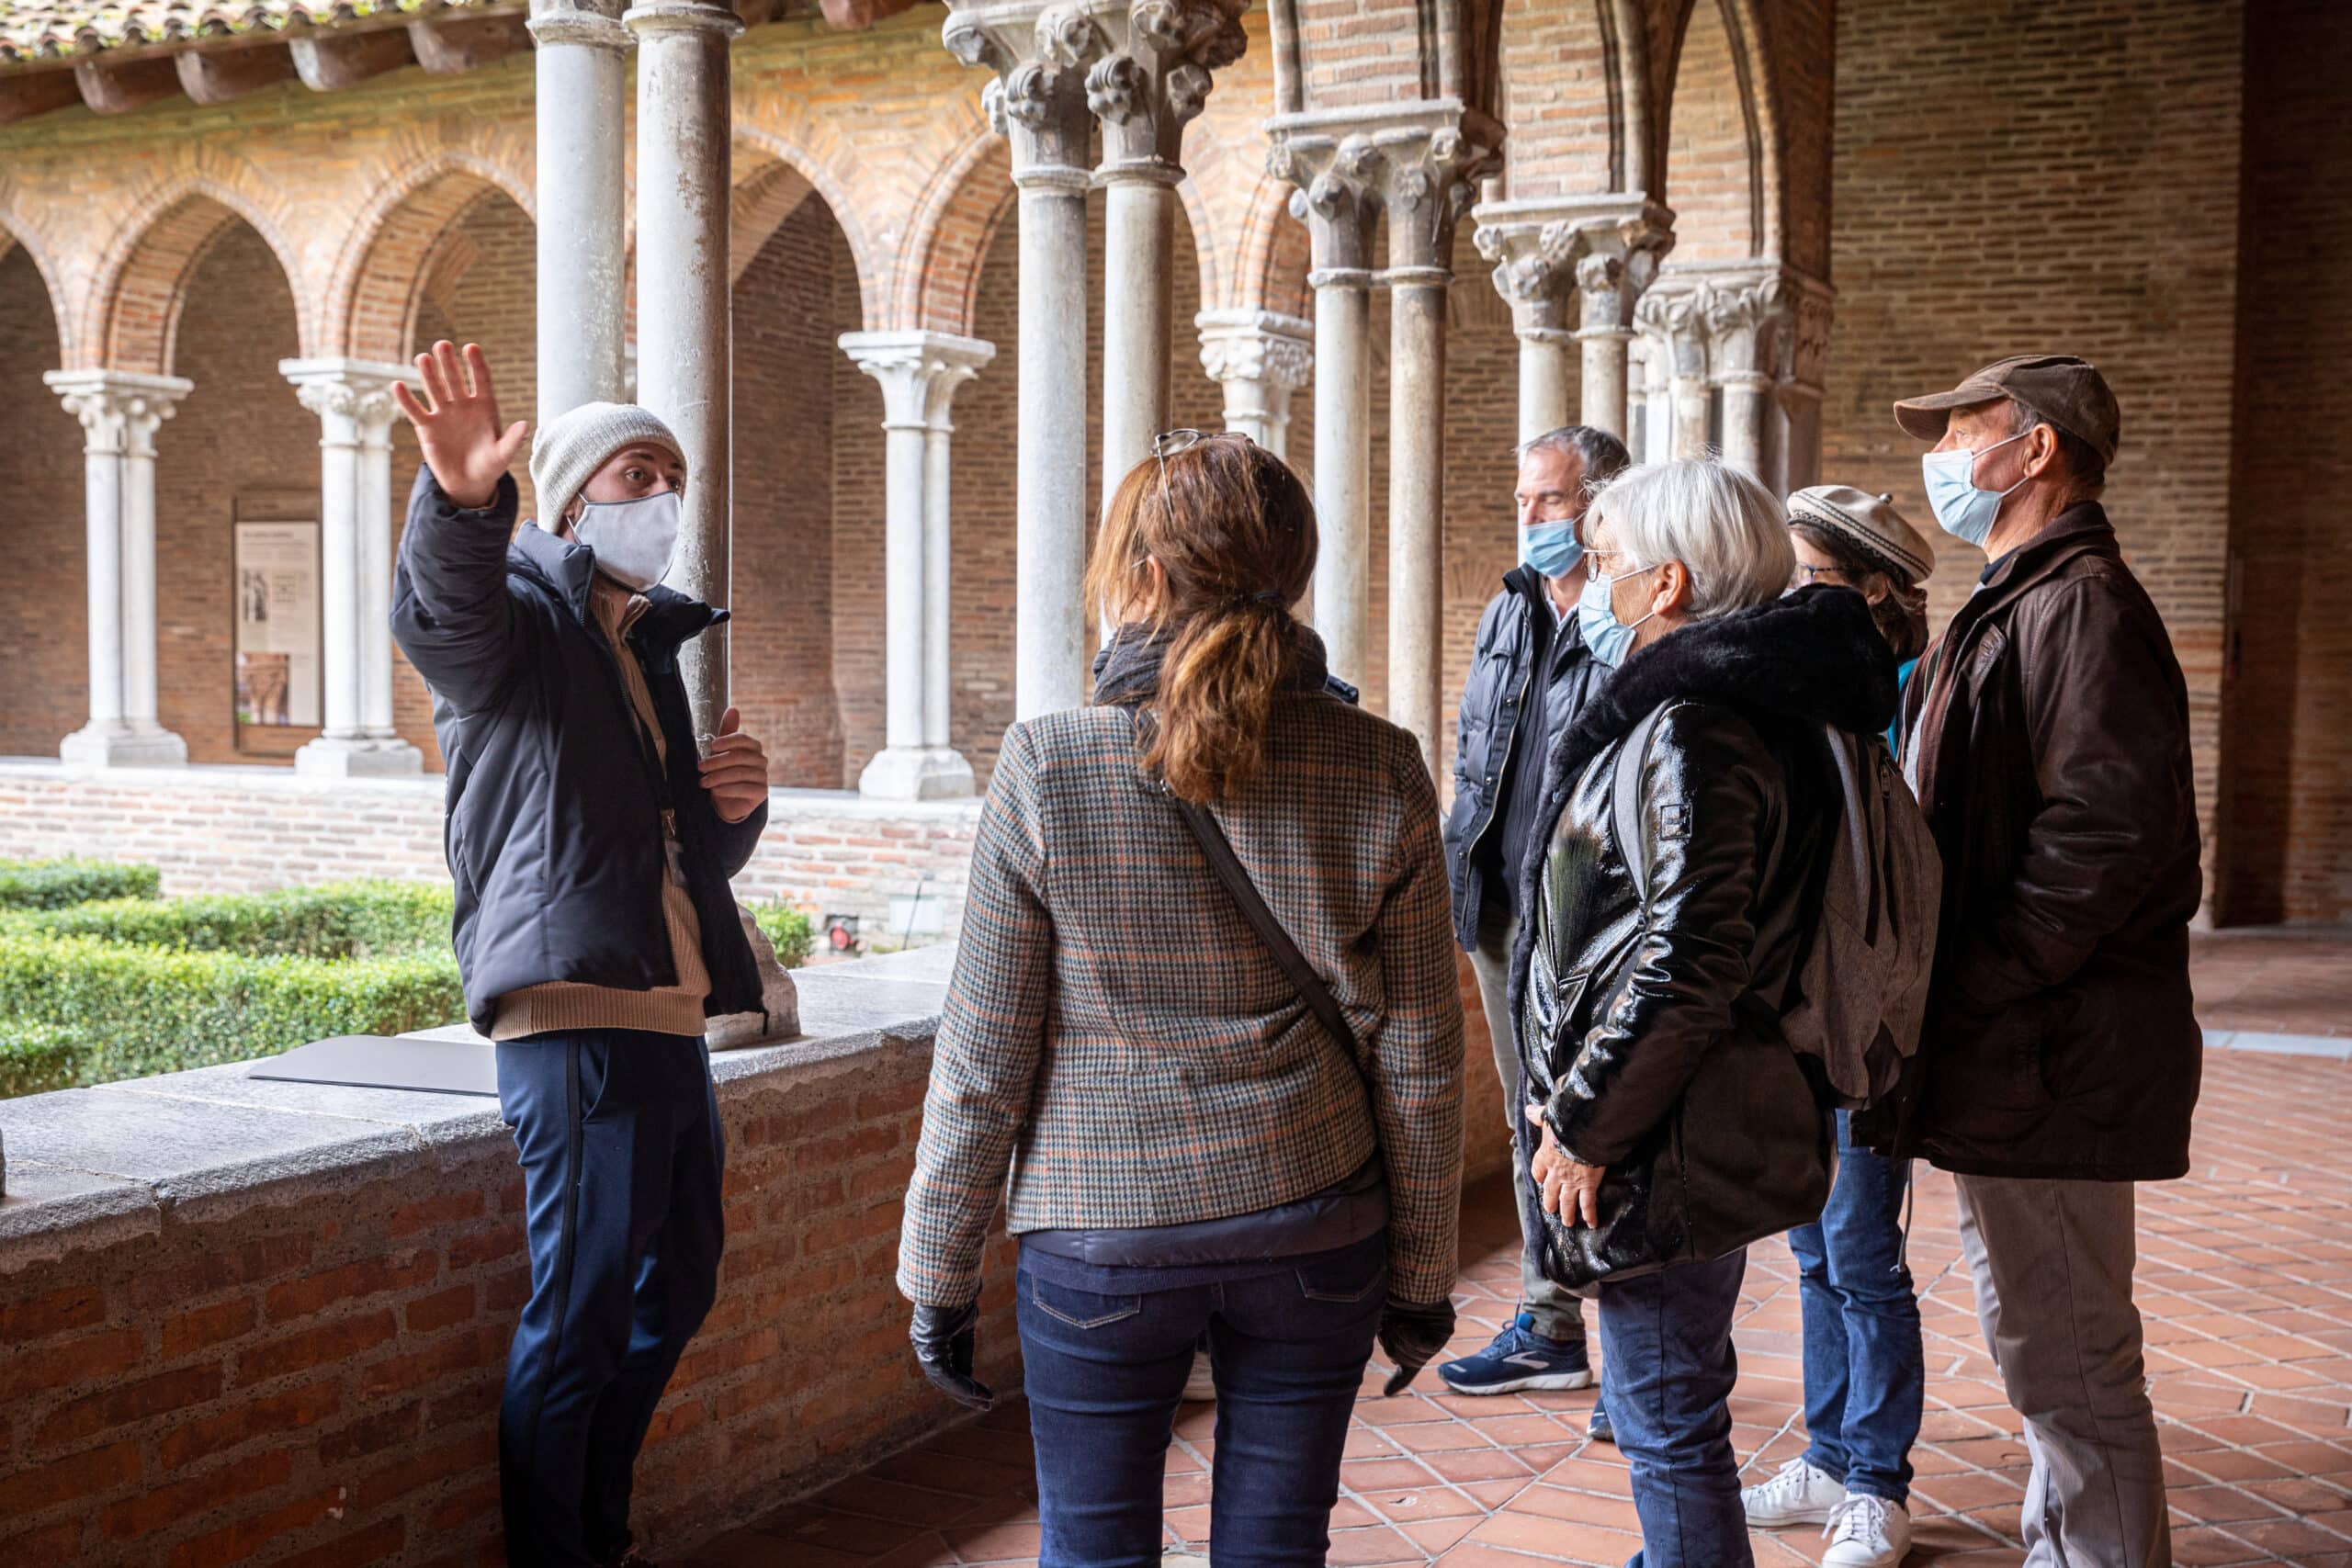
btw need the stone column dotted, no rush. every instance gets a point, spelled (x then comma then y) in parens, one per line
(583, 223)
(1154, 79)
(1427, 190)
(918, 372)
(1573, 260)
(1336, 166)
(353, 401)
(962, 359)
(1260, 358)
(120, 413)
(685, 324)
(1041, 55)
(1673, 317)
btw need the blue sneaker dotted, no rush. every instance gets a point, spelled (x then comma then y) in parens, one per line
(1519, 1359)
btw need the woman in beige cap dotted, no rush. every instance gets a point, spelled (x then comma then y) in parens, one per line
(1865, 1369)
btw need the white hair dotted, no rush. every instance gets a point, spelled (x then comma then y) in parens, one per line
(1726, 530)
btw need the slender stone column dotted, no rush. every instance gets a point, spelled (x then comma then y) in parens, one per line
(119, 414)
(1563, 260)
(1428, 189)
(1337, 166)
(1658, 396)
(1673, 316)
(1260, 358)
(963, 358)
(1155, 79)
(1041, 55)
(353, 402)
(685, 322)
(918, 372)
(583, 223)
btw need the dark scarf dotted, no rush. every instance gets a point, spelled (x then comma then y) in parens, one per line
(1127, 672)
(1816, 655)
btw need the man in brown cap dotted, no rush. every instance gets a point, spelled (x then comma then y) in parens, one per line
(2046, 735)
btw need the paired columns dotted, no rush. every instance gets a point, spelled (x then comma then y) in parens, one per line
(1144, 71)
(582, 97)
(120, 413)
(919, 372)
(353, 401)
(1417, 164)
(685, 313)
(1581, 260)
(1260, 358)
(1734, 355)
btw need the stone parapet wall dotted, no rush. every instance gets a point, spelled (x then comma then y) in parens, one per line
(267, 1323)
(230, 829)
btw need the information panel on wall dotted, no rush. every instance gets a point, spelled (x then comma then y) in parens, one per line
(277, 625)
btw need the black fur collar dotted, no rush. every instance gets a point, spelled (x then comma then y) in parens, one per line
(1814, 655)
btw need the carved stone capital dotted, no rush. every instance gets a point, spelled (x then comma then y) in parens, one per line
(1156, 76)
(1579, 260)
(120, 410)
(1041, 55)
(358, 391)
(1752, 325)
(1256, 345)
(918, 371)
(1419, 162)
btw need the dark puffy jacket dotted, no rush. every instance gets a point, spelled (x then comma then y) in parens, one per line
(1498, 693)
(1642, 1029)
(2053, 764)
(554, 831)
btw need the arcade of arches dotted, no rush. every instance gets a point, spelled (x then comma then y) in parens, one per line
(1742, 225)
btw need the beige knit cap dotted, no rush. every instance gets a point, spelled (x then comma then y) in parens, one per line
(1868, 522)
(567, 450)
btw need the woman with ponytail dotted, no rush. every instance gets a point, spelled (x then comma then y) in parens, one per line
(1204, 1132)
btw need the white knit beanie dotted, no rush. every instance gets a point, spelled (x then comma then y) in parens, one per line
(567, 450)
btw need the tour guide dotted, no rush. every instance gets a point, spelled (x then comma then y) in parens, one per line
(595, 928)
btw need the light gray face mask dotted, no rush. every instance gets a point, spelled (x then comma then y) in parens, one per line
(633, 540)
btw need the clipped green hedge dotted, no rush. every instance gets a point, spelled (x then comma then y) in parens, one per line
(59, 884)
(141, 1009)
(343, 920)
(38, 1057)
(791, 932)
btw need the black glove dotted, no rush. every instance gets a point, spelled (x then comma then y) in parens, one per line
(1413, 1335)
(942, 1339)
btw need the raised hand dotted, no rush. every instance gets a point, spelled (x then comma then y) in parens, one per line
(457, 424)
(734, 769)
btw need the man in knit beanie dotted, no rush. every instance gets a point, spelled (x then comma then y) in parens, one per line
(591, 840)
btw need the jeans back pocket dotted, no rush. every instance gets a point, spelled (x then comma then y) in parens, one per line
(1080, 1309)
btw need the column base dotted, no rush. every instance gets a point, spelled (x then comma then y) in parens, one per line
(358, 757)
(116, 745)
(916, 772)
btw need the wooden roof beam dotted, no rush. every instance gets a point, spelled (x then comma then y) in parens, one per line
(217, 75)
(23, 95)
(327, 61)
(446, 47)
(120, 88)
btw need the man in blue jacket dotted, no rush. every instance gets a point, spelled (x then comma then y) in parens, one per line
(1530, 677)
(591, 840)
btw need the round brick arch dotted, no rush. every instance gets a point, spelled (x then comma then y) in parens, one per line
(135, 312)
(1274, 260)
(378, 278)
(969, 194)
(818, 155)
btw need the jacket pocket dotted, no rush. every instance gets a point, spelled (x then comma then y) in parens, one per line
(1080, 1309)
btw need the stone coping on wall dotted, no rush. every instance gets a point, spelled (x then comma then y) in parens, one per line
(91, 1166)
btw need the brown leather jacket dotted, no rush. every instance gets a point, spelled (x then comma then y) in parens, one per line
(2051, 726)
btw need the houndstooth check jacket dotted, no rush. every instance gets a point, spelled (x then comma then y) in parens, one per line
(1118, 1038)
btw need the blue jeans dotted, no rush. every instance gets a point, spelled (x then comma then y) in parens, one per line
(1104, 1370)
(1865, 1371)
(1666, 1338)
(618, 1136)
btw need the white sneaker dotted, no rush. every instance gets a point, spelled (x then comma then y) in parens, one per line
(1200, 1383)
(1864, 1531)
(1800, 1494)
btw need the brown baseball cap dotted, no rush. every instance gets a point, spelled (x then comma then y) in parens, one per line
(2057, 388)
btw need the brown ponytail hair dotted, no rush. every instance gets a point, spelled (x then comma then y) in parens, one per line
(1232, 533)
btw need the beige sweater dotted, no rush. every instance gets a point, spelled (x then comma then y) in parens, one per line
(565, 1005)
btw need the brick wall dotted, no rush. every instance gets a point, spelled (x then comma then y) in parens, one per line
(309, 1373)
(2287, 789)
(44, 624)
(2062, 176)
(239, 439)
(1707, 162)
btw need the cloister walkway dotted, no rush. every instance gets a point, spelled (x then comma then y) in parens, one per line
(2245, 1277)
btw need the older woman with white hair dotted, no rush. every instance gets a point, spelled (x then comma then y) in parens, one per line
(1684, 816)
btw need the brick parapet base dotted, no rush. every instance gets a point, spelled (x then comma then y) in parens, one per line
(216, 830)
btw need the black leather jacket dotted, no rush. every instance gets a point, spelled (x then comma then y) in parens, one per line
(1642, 1029)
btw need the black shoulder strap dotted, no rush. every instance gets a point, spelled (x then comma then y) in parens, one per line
(1229, 870)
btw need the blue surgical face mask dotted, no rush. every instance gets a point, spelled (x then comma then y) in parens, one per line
(1551, 548)
(1608, 639)
(1962, 510)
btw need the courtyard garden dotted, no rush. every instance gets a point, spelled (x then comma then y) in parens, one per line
(103, 978)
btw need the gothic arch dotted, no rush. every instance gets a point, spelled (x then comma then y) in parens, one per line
(1270, 271)
(135, 305)
(373, 298)
(1754, 215)
(938, 274)
(17, 231)
(817, 153)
